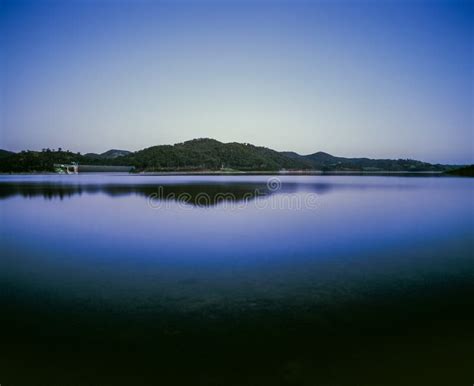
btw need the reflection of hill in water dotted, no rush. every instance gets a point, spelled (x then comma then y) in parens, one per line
(195, 194)
(192, 193)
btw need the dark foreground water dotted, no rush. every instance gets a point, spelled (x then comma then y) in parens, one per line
(237, 280)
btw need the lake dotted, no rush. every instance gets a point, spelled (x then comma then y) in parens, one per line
(236, 280)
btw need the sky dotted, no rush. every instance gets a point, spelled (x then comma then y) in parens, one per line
(387, 79)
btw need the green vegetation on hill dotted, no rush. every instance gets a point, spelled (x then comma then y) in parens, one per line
(34, 161)
(207, 154)
(5, 153)
(466, 171)
(327, 162)
(43, 161)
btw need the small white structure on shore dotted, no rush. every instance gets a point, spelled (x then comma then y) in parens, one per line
(72, 168)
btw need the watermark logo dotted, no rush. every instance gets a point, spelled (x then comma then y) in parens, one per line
(273, 184)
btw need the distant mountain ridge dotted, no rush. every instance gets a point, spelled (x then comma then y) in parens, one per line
(109, 154)
(209, 154)
(327, 162)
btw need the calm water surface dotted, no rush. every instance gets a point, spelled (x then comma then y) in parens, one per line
(223, 280)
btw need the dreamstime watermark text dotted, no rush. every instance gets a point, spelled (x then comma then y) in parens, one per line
(272, 196)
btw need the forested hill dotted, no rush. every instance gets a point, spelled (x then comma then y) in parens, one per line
(207, 154)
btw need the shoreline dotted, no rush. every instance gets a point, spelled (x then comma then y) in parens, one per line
(289, 173)
(256, 173)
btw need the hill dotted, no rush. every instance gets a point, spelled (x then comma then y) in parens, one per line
(209, 154)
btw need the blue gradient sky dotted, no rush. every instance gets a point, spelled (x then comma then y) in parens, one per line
(378, 79)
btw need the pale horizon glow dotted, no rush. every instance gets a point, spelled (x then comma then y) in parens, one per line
(354, 78)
